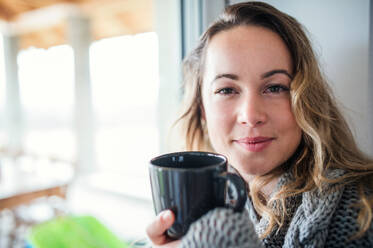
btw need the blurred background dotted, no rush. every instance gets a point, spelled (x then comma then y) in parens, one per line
(89, 89)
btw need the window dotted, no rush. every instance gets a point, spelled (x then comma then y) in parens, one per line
(124, 76)
(46, 90)
(3, 135)
(125, 86)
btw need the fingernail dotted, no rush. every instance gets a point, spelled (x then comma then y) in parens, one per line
(166, 215)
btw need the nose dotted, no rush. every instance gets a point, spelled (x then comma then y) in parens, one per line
(252, 111)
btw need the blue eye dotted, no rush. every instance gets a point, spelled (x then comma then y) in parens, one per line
(225, 91)
(276, 89)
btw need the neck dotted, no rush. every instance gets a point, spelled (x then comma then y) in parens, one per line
(267, 189)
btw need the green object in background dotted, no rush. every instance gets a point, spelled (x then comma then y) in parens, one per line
(74, 231)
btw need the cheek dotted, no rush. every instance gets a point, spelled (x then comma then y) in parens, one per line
(214, 116)
(283, 116)
(219, 123)
(218, 115)
(288, 127)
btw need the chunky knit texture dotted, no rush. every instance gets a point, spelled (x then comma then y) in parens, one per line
(315, 220)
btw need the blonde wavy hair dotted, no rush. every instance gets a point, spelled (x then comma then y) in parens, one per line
(327, 141)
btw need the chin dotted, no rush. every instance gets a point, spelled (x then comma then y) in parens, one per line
(247, 169)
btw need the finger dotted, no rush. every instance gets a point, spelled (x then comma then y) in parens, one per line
(156, 230)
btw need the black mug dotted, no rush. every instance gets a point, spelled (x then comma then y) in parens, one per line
(192, 183)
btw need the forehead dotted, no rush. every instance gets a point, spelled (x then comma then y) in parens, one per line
(244, 46)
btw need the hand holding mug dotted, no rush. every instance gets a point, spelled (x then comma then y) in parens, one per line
(190, 184)
(156, 231)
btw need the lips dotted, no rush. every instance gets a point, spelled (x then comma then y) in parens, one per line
(254, 144)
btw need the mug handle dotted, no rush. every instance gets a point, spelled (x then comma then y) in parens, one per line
(240, 187)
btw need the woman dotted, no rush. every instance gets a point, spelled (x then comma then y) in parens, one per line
(254, 92)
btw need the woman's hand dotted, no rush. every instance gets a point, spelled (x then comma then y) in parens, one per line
(156, 231)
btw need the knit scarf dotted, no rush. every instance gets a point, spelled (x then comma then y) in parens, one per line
(316, 219)
(308, 219)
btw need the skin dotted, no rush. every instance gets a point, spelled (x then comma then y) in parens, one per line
(156, 230)
(248, 72)
(245, 94)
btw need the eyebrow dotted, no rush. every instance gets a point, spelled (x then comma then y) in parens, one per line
(225, 75)
(263, 76)
(273, 72)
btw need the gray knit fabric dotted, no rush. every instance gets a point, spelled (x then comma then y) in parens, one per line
(315, 220)
(222, 228)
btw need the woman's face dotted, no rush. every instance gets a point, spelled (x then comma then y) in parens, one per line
(246, 99)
